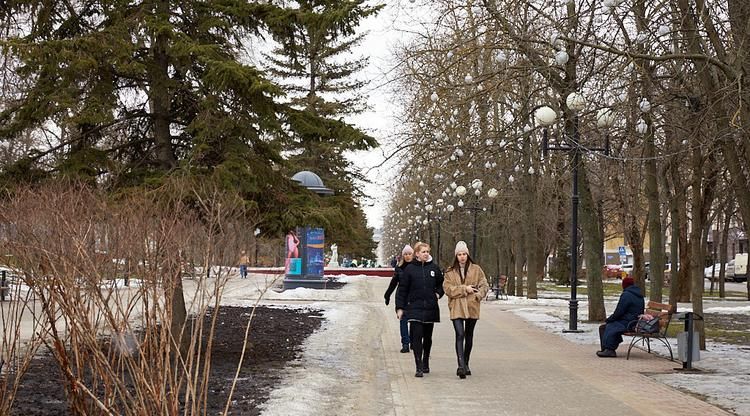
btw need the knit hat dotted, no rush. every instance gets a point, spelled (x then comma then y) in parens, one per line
(407, 249)
(461, 248)
(627, 282)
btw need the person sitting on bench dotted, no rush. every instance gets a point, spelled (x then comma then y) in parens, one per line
(630, 305)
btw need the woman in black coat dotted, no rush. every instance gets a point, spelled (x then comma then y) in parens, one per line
(420, 286)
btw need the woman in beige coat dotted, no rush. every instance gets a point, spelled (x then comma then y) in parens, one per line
(465, 285)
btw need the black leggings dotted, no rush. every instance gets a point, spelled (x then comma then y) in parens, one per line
(421, 338)
(464, 338)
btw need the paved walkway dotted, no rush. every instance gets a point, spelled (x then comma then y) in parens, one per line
(519, 369)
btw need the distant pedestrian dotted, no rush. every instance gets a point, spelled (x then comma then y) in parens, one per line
(465, 285)
(419, 288)
(394, 262)
(623, 319)
(407, 255)
(244, 262)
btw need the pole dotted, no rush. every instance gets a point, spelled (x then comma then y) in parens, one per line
(438, 242)
(2, 286)
(688, 364)
(573, 327)
(474, 232)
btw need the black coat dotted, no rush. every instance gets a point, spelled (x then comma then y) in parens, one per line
(392, 285)
(628, 308)
(419, 287)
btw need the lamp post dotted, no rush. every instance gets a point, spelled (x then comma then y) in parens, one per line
(546, 116)
(438, 217)
(476, 184)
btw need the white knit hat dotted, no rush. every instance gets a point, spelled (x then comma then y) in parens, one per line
(461, 248)
(407, 249)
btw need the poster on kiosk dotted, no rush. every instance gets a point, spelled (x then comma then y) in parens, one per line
(305, 256)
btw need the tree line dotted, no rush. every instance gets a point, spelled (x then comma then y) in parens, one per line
(670, 72)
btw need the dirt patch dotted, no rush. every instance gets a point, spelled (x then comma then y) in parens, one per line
(276, 337)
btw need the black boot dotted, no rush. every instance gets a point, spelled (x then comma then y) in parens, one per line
(461, 370)
(418, 362)
(426, 365)
(466, 364)
(607, 353)
(404, 348)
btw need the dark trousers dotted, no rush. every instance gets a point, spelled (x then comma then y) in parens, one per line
(464, 329)
(404, 324)
(421, 340)
(610, 335)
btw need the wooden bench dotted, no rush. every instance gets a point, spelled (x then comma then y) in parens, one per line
(665, 313)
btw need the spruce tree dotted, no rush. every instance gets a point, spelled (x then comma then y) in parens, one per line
(310, 63)
(134, 91)
(131, 92)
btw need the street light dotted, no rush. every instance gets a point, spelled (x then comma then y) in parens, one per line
(439, 204)
(546, 116)
(476, 184)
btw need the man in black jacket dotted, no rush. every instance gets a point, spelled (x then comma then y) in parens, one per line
(626, 313)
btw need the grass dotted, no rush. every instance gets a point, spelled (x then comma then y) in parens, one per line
(614, 290)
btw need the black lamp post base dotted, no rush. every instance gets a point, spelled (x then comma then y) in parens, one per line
(572, 331)
(573, 306)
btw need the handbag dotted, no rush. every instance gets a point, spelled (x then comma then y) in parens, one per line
(647, 325)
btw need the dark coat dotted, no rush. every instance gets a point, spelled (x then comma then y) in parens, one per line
(420, 285)
(630, 305)
(626, 313)
(392, 285)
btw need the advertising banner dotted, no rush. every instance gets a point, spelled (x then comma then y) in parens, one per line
(315, 257)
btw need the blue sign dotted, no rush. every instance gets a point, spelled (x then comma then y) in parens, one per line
(622, 251)
(314, 244)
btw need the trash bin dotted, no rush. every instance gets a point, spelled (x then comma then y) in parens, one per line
(682, 347)
(688, 343)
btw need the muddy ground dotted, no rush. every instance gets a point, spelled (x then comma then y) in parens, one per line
(275, 340)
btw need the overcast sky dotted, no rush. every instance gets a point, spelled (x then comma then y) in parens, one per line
(385, 31)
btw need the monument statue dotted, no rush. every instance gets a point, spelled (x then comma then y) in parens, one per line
(334, 256)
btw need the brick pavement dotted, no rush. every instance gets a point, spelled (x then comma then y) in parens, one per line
(519, 369)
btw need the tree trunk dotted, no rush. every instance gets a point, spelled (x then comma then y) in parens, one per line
(703, 187)
(179, 312)
(684, 283)
(520, 260)
(723, 247)
(655, 237)
(159, 95)
(674, 247)
(593, 247)
(697, 248)
(678, 286)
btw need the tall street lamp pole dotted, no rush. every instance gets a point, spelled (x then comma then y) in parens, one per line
(474, 208)
(546, 116)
